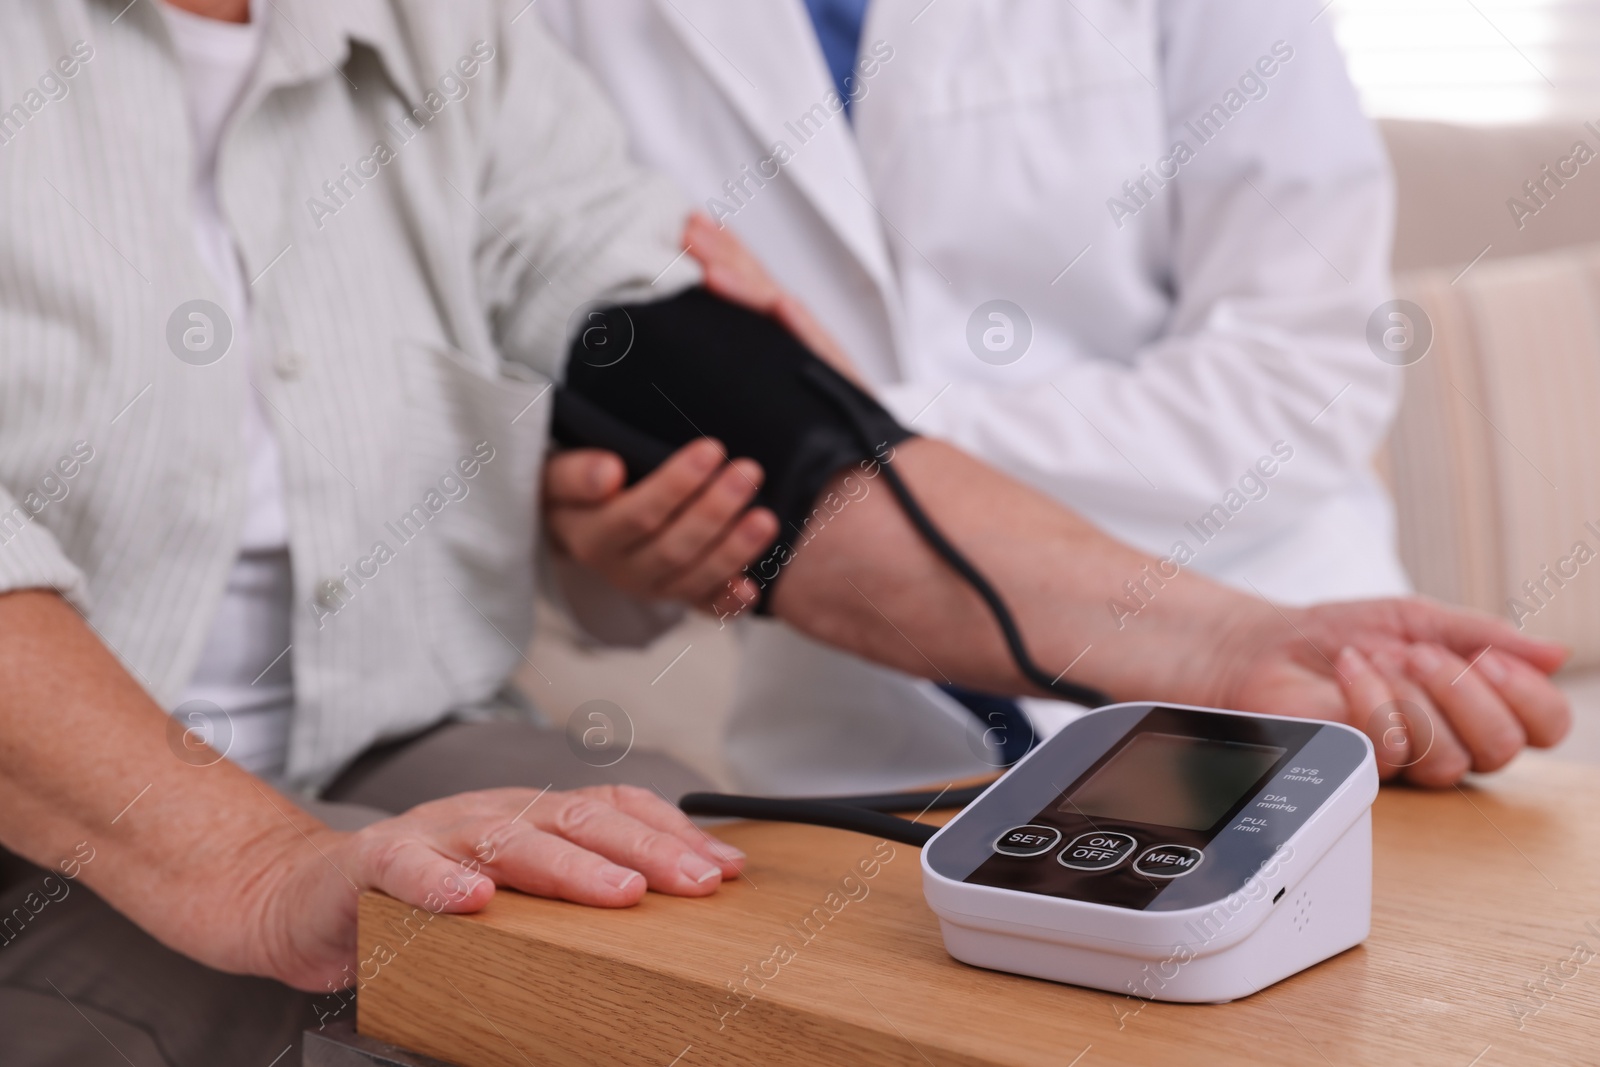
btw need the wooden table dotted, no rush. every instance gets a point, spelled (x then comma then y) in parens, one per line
(1482, 894)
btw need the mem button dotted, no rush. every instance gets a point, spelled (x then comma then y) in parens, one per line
(1027, 840)
(1097, 851)
(1168, 861)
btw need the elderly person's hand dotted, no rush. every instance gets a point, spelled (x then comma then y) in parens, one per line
(1440, 691)
(602, 846)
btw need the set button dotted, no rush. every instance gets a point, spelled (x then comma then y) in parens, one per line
(1097, 851)
(1168, 861)
(1027, 840)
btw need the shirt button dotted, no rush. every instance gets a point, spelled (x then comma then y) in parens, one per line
(288, 365)
(330, 592)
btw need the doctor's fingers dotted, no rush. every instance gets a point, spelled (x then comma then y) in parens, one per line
(582, 476)
(731, 270)
(739, 544)
(695, 531)
(1485, 723)
(602, 534)
(734, 273)
(1437, 756)
(733, 599)
(798, 320)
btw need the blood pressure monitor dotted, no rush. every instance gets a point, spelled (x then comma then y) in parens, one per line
(1167, 852)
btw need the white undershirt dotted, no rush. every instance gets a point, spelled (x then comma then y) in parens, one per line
(244, 668)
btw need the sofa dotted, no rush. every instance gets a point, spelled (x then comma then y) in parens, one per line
(1494, 461)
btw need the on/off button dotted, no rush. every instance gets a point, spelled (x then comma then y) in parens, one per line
(1097, 851)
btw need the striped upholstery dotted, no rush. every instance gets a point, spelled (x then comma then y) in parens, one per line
(1495, 458)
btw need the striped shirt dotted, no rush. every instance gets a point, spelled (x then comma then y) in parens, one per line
(423, 196)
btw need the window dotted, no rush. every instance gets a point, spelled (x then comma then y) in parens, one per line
(1473, 61)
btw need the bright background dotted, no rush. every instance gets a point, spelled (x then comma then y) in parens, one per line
(1473, 61)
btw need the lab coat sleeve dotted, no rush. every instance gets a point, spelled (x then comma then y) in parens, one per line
(1280, 244)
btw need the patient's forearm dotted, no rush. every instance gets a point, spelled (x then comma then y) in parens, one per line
(87, 771)
(866, 581)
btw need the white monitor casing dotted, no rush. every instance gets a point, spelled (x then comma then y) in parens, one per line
(1310, 899)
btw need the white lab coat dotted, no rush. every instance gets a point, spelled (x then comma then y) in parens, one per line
(1182, 325)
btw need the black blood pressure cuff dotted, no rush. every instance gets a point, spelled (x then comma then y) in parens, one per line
(645, 379)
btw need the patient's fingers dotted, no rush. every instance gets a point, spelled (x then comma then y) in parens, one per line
(1543, 709)
(654, 810)
(1370, 704)
(1490, 730)
(586, 818)
(410, 868)
(547, 865)
(1437, 756)
(1465, 632)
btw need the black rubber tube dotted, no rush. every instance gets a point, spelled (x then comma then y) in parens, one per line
(842, 393)
(810, 812)
(928, 800)
(1078, 694)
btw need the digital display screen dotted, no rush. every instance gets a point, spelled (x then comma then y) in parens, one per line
(1171, 780)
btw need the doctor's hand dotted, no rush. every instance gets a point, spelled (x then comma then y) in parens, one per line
(1439, 690)
(735, 274)
(602, 846)
(685, 532)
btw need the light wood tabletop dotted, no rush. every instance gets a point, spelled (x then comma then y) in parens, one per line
(1485, 951)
